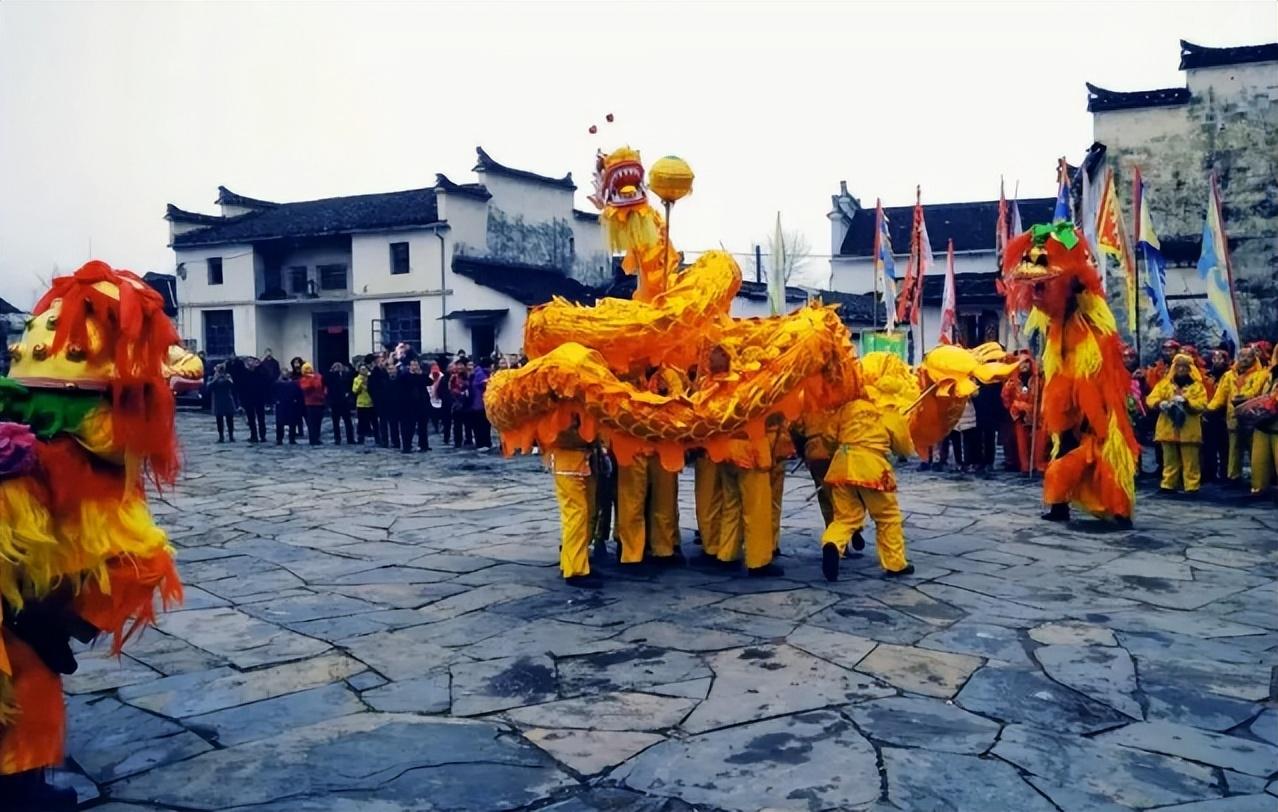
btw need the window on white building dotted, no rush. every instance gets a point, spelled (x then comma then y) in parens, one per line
(297, 280)
(332, 277)
(272, 280)
(219, 333)
(402, 321)
(215, 270)
(399, 257)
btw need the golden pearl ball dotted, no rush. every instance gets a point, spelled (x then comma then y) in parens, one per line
(670, 178)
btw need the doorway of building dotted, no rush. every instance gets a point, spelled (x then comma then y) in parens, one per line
(483, 339)
(332, 339)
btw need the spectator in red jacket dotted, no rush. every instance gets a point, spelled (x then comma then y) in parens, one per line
(314, 397)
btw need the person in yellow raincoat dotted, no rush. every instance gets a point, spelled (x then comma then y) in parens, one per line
(862, 481)
(1239, 384)
(569, 461)
(1181, 399)
(1264, 439)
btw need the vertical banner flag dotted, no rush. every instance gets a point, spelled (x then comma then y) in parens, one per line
(1151, 249)
(1090, 205)
(1111, 238)
(1003, 233)
(1214, 268)
(884, 264)
(926, 260)
(905, 309)
(1063, 201)
(776, 272)
(949, 307)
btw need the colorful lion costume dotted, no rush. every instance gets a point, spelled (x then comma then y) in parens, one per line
(1084, 406)
(88, 413)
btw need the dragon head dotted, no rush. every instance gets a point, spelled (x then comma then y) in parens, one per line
(619, 180)
(1049, 265)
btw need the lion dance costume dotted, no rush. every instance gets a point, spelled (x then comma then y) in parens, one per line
(88, 415)
(1084, 407)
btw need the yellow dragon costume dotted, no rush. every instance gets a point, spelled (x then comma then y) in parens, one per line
(88, 413)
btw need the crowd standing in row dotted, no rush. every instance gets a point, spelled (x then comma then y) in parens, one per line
(390, 398)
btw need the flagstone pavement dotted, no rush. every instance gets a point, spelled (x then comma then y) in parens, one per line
(365, 630)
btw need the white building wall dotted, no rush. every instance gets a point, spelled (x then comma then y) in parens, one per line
(535, 202)
(1232, 80)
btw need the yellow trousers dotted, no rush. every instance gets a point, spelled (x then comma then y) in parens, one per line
(647, 509)
(746, 515)
(708, 492)
(1181, 465)
(1239, 445)
(851, 504)
(576, 495)
(1264, 458)
(818, 468)
(777, 481)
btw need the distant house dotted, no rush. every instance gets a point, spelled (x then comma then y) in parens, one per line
(447, 267)
(12, 322)
(970, 225)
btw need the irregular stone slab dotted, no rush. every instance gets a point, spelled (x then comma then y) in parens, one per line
(619, 711)
(337, 629)
(307, 607)
(590, 751)
(918, 779)
(366, 681)
(917, 604)
(1243, 784)
(169, 655)
(427, 694)
(493, 685)
(1237, 803)
(845, 650)
(1265, 727)
(475, 599)
(1104, 673)
(259, 720)
(110, 740)
(1123, 776)
(983, 608)
(914, 722)
(762, 681)
(666, 634)
(545, 636)
(980, 640)
(1242, 755)
(783, 763)
(868, 618)
(203, 692)
(756, 626)
(402, 654)
(99, 670)
(386, 575)
(1071, 633)
(399, 595)
(613, 799)
(627, 668)
(792, 604)
(1015, 695)
(244, 641)
(85, 789)
(1187, 705)
(405, 757)
(920, 671)
(692, 689)
(1071, 799)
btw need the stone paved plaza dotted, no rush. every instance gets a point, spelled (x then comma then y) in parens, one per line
(366, 630)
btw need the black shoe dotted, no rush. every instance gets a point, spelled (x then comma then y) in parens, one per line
(1123, 522)
(925, 466)
(665, 562)
(909, 570)
(1166, 491)
(30, 792)
(279, 442)
(705, 561)
(766, 571)
(1057, 513)
(858, 541)
(830, 561)
(696, 537)
(221, 440)
(588, 581)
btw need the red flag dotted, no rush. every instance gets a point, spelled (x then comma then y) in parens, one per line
(909, 301)
(949, 304)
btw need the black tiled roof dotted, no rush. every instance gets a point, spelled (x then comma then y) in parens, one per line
(225, 197)
(855, 308)
(166, 285)
(487, 164)
(311, 218)
(970, 225)
(479, 316)
(1099, 99)
(7, 309)
(586, 215)
(174, 214)
(1202, 56)
(527, 284)
(758, 292)
(476, 190)
(969, 288)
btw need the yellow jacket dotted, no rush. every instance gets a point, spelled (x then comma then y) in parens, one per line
(1233, 387)
(866, 436)
(819, 437)
(1195, 403)
(363, 398)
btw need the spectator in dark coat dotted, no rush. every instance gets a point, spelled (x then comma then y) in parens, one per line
(459, 386)
(295, 369)
(413, 387)
(444, 394)
(381, 383)
(337, 385)
(990, 416)
(222, 397)
(270, 368)
(314, 397)
(287, 394)
(254, 390)
(481, 428)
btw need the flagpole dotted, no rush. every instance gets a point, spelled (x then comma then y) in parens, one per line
(874, 264)
(1137, 193)
(918, 239)
(1229, 263)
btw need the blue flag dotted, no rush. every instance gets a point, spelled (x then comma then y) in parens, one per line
(1151, 249)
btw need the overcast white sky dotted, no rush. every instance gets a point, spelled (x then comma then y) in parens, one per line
(110, 110)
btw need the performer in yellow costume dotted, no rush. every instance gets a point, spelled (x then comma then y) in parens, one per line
(91, 415)
(1239, 384)
(569, 461)
(1181, 398)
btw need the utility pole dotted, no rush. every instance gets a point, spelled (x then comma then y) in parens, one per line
(758, 265)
